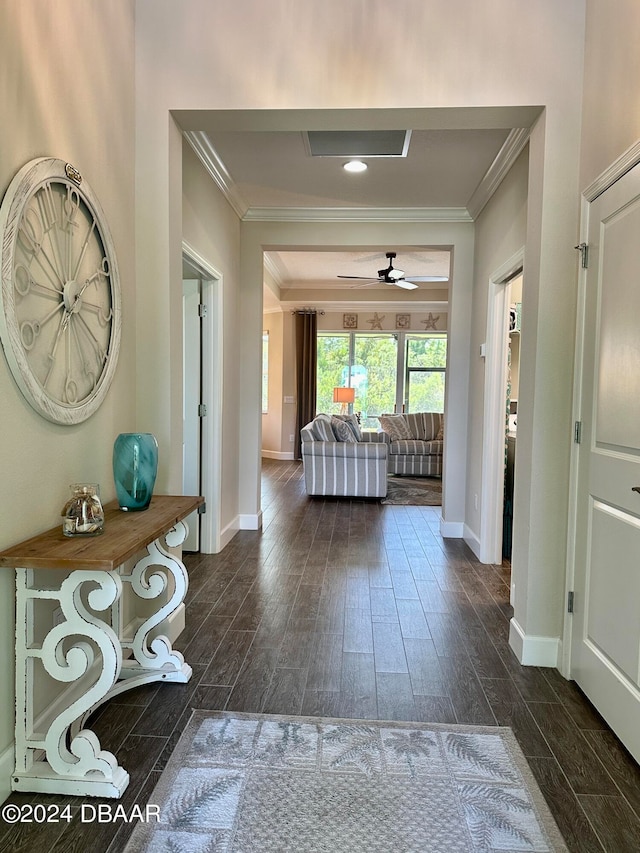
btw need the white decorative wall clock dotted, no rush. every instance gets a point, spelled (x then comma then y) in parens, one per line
(60, 318)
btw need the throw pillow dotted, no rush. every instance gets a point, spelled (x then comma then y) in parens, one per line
(342, 430)
(395, 426)
(322, 428)
(352, 422)
(416, 423)
(432, 422)
(440, 435)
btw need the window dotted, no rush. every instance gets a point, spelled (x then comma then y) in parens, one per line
(375, 357)
(390, 372)
(332, 362)
(426, 361)
(265, 373)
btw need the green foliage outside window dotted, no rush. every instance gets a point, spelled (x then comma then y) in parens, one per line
(425, 386)
(427, 351)
(333, 356)
(378, 354)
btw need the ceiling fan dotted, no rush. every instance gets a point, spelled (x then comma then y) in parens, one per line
(390, 275)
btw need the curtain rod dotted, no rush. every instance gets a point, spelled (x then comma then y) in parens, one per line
(306, 311)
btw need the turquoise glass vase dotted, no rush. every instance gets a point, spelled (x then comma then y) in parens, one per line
(135, 466)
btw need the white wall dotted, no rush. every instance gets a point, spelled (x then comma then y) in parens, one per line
(500, 233)
(611, 118)
(66, 90)
(212, 229)
(280, 421)
(272, 442)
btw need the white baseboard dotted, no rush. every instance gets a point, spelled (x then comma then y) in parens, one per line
(277, 454)
(251, 521)
(452, 529)
(7, 768)
(227, 533)
(472, 541)
(534, 651)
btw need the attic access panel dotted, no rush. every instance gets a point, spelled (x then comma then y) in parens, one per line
(357, 143)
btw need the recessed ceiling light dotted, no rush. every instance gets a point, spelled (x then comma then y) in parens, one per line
(355, 166)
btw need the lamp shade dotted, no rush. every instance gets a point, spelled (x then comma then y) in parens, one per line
(344, 395)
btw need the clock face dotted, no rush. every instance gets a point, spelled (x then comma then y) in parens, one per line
(60, 317)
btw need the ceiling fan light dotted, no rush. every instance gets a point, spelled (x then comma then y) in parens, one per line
(355, 166)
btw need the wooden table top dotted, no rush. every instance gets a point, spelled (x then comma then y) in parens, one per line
(125, 533)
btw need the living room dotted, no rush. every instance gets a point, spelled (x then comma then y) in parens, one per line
(123, 122)
(366, 361)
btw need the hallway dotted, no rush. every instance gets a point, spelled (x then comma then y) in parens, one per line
(354, 609)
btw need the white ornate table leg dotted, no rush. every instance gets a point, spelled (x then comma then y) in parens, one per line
(149, 579)
(71, 651)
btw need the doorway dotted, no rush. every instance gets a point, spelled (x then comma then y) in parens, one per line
(604, 628)
(192, 405)
(202, 398)
(495, 421)
(514, 297)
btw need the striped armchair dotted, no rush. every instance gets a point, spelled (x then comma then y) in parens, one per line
(342, 465)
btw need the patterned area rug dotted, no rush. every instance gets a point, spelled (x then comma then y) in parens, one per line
(251, 783)
(413, 491)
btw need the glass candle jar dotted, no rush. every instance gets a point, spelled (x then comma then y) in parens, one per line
(83, 514)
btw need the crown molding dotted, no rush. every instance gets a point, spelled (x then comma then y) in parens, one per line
(357, 214)
(207, 154)
(272, 269)
(203, 148)
(626, 161)
(505, 158)
(371, 305)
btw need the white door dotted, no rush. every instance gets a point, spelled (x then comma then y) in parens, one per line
(191, 337)
(605, 649)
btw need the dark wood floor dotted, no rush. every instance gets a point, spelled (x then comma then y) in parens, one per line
(353, 609)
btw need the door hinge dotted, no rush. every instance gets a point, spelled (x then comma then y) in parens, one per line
(583, 248)
(570, 602)
(577, 432)
(202, 509)
(202, 410)
(202, 310)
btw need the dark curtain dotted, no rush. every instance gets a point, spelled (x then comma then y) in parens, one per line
(306, 358)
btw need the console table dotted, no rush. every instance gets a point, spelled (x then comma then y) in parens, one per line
(86, 648)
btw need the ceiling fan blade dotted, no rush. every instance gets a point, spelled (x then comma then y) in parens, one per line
(405, 285)
(362, 277)
(395, 274)
(429, 278)
(366, 284)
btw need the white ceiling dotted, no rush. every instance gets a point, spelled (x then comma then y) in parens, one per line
(262, 163)
(305, 270)
(274, 169)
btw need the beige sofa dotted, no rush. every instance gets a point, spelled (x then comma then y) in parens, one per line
(416, 442)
